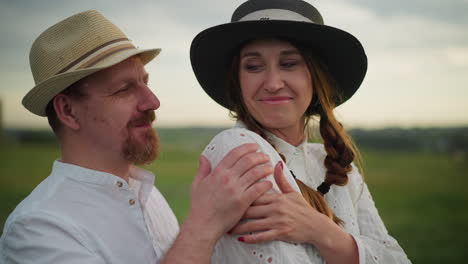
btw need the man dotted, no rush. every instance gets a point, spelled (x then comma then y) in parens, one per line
(96, 206)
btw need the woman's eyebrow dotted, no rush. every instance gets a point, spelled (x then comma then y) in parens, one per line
(257, 54)
(250, 54)
(289, 52)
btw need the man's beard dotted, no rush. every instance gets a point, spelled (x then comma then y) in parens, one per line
(142, 153)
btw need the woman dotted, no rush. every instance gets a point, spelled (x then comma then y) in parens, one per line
(276, 67)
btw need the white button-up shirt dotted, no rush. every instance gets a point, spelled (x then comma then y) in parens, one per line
(351, 203)
(78, 215)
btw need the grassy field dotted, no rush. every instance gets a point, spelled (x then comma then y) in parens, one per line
(422, 197)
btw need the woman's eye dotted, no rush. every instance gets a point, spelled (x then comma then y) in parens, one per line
(289, 64)
(252, 67)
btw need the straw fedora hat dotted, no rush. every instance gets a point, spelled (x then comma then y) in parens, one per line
(73, 49)
(212, 50)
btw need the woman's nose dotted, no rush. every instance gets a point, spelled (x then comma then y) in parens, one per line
(273, 80)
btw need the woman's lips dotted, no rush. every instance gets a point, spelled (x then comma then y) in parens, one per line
(276, 99)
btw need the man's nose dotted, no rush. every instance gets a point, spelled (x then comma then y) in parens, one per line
(148, 100)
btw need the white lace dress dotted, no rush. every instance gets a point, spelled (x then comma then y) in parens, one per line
(352, 203)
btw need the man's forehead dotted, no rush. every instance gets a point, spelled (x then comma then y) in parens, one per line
(130, 64)
(131, 67)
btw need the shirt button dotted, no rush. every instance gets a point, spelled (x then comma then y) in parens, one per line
(131, 202)
(119, 184)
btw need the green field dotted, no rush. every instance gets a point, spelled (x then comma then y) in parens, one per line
(422, 197)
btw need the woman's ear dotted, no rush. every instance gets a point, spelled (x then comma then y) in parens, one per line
(65, 108)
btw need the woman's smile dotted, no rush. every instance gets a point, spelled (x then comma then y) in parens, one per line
(273, 100)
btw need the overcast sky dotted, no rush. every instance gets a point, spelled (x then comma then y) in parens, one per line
(417, 51)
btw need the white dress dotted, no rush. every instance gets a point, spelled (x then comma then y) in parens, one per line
(352, 203)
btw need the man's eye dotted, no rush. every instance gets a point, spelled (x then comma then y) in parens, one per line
(123, 90)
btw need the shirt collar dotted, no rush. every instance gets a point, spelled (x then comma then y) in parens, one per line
(240, 124)
(282, 146)
(140, 180)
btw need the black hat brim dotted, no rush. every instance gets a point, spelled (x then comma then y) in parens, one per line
(212, 50)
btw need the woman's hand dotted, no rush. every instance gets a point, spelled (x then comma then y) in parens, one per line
(285, 216)
(288, 217)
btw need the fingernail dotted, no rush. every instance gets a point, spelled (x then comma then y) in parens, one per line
(241, 239)
(281, 164)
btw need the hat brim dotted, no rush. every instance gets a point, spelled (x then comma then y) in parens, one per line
(37, 98)
(212, 50)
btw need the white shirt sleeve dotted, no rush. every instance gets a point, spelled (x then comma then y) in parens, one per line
(42, 238)
(228, 249)
(374, 243)
(234, 137)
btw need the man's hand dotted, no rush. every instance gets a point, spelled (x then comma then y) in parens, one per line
(218, 200)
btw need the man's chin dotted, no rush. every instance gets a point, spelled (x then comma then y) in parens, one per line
(142, 148)
(141, 138)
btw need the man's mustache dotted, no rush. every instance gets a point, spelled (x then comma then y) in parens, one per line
(145, 118)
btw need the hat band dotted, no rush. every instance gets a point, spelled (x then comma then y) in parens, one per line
(108, 52)
(275, 14)
(94, 56)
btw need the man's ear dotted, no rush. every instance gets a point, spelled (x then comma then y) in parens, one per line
(65, 108)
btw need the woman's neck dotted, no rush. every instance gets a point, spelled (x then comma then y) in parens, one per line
(293, 135)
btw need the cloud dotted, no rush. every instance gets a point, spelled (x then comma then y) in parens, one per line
(417, 67)
(458, 55)
(417, 59)
(451, 11)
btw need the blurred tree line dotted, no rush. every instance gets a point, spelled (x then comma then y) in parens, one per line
(452, 140)
(446, 140)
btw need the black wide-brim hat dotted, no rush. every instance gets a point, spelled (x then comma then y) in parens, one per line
(212, 50)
